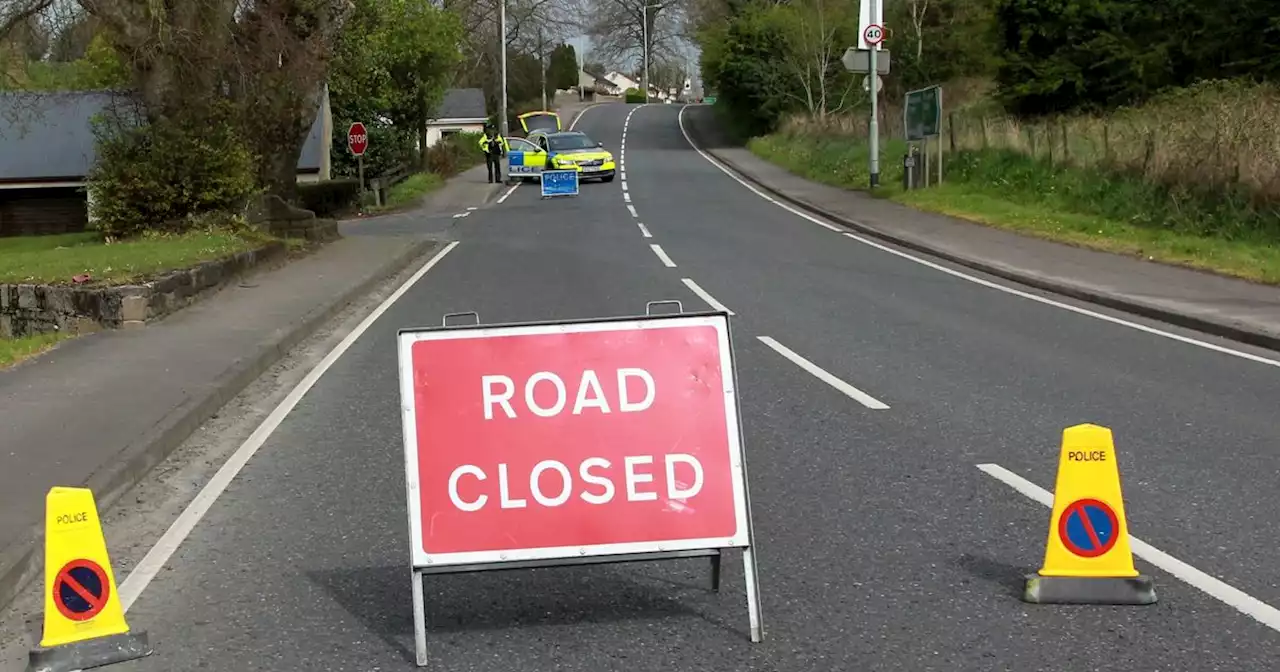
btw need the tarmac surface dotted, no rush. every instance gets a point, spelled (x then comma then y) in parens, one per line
(882, 546)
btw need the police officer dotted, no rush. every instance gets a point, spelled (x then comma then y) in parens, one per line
(494, 147)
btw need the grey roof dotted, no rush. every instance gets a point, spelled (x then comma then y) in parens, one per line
(49, 136)
(462, 104)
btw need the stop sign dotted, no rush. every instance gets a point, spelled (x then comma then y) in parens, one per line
(357, 139)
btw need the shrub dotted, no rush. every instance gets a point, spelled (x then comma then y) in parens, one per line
(159, 176)
(330, 197)
(633, 95)
(454, 154)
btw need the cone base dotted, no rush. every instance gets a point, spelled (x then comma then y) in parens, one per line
(89, 653)
(1139, 590)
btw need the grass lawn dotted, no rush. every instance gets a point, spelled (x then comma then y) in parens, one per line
(1083, 208)
(409, 191)
(14, 350)
(56, 259)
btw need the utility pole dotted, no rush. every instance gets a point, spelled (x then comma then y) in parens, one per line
(542, 65)
(644, 48)
(502, 58)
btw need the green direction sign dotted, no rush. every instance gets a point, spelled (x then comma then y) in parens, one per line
(922, 113)
(710, 100)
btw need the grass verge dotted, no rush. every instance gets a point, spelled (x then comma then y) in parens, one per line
(409, 191)
(1093, 208)
(15, 350)
(57, 259)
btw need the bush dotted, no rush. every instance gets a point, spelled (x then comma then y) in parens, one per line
(454, 154)
(160, 176)
(330, 197)
(633, 95)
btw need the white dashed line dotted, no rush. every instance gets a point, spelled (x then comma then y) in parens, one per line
(644, 231)
(471, 208)
(624, 185)
(156, 558)
(662, 256)
(821, 374)
(1247, 604)
(461, 214)
(624, 173)
(626, 196)
(632, 208)
(705, 295)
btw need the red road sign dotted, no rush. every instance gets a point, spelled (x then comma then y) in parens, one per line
(1088, 528)
(873, 34)
(357, 139)
(533, 442)
(80, 590)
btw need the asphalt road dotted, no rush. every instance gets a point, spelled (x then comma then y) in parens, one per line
(882, 545)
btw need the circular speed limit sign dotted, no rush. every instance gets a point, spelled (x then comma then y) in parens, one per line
(874, 34)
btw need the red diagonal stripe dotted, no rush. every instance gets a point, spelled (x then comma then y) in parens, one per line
(94, 601)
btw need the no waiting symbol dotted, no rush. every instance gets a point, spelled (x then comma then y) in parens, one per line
(1088, 528)
(80, 590)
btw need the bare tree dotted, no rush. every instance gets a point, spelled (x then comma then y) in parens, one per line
(812, 56)
(617, 29)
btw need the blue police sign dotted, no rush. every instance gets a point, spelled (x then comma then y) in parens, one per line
(559, 183)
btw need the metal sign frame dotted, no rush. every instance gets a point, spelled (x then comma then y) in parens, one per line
(422, 564)
(906, 127)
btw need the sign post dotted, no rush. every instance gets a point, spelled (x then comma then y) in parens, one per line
(358, 143)
(567, 443)
(873, 35)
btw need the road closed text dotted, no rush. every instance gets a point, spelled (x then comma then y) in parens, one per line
(595, 480)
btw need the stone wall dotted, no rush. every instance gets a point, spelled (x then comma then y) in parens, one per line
(31, 309)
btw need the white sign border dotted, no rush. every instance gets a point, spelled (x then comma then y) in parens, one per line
(422, 560)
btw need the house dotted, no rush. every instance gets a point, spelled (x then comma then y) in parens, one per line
(461, 111)
(47, 148)
(621, 81)
(597, 83)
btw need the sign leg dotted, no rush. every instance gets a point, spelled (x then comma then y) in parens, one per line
(716, 562)
(753, 593)
(419, 621)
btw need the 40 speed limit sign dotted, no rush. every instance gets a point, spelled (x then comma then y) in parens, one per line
(874, 34)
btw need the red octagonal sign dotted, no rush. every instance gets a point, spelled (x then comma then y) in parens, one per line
(357, 139)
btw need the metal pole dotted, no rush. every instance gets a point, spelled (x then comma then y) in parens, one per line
(502, 58)
(644, 18)
(542, 65)
(874, 129)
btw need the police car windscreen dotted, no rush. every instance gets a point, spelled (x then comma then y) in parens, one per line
(567, 143)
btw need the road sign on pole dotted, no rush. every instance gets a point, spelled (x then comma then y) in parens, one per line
(869, 12)
(873, 35)
(357, 139)
(593, 441)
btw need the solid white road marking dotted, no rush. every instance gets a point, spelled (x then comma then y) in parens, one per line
(821, 374)
(979, 281)
(632, 208)
(666, 261)
(1249, 605)
(643, 231)
(513, 188)
(705, 295)
(151, 564)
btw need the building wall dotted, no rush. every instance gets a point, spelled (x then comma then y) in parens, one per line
(42, 211)
(434, 133)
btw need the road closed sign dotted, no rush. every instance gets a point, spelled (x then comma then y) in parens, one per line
(544, 441)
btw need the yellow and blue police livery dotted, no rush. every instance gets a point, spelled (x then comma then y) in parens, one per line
(574, 150)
